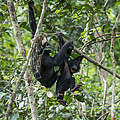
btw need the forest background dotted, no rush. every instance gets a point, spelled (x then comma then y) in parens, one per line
(93, 25)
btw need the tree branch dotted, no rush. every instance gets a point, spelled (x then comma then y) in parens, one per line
(41, 18)
(96, 63)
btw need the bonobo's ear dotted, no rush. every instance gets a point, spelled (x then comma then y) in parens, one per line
(79, 58)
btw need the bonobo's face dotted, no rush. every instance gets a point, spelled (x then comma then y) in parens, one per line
(75, 64)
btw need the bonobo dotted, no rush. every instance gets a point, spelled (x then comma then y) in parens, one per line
(65, 80)
(42, 64)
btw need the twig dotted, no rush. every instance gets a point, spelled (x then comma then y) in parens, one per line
(9, 108)
(108, 108)
(105, 5)
(103, 115)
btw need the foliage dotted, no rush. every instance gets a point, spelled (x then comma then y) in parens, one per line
(69, 17)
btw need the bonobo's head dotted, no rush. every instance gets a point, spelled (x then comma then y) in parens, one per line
(74, 64)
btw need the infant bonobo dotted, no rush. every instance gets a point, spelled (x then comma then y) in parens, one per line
(65, 80)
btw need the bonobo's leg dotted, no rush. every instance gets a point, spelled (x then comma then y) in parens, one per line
(62, 84)
(60, 97)
(74, 87)
(32, 20)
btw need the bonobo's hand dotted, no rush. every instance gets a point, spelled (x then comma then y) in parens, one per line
(64, 53)
(68, 47)
(69, 43)
(31, 2)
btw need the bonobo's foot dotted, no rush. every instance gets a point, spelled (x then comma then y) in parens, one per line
(63, 102)
(76, 88)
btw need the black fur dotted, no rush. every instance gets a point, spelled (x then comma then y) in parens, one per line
(32, 20)
(65, 80)
(42, 63)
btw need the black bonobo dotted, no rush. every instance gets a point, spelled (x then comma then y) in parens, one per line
(65, 80)
(42, 63)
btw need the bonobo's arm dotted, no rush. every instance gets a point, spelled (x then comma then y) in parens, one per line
(32, 20)
(61, 41)
(64, 53)
(65, 50)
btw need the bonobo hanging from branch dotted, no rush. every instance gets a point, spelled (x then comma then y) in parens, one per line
(65, 80)
(42, 64)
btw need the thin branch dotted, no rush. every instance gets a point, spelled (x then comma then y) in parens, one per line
(17, 33)
(20, 48)
(93, 41)
(41, 18)
(117, 101)
(103, 115)
(100, 57)
(105, 5)
(9, 108)
(99, 33)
